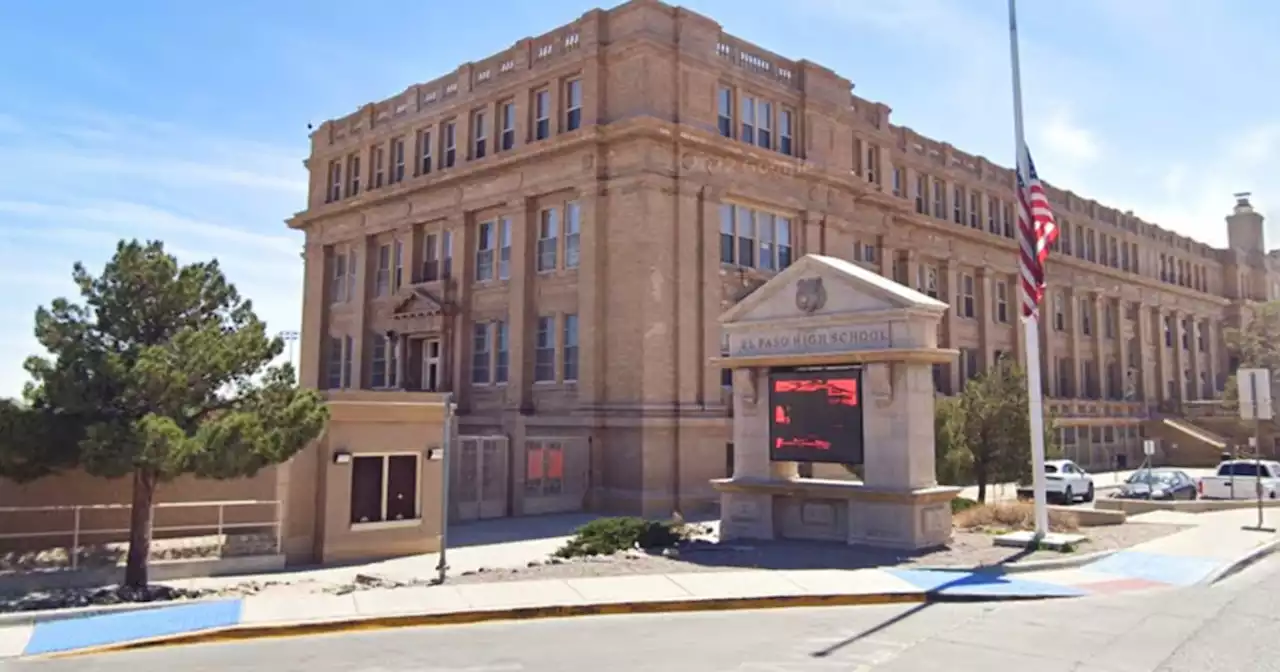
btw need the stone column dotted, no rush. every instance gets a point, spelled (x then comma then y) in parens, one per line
(950, 282)
(1197, 388)
(1075, 322)
(749, 515)
(1048, 340)
(899, 442)
(1212, 358)
(1145, 342)
(591, 293)
(360, 308)
(1099, 353)
(1162, 355)
(463, 275)
(986, 314)
(521, 317)
(1179, 359)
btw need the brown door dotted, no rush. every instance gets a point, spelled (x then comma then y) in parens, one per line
(480, 479)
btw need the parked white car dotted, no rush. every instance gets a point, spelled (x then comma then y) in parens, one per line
(1240, 479)
(1065, 483)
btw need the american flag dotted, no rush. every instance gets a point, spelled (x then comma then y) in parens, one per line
(1036, 232)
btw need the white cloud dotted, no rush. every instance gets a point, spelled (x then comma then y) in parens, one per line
(1067, 140)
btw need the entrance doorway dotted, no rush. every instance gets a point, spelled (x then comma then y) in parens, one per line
(480, 478)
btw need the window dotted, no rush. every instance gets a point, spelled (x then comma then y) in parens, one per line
(724, 114)
(353, 175)
(397, 160)
(424, 152)
(1168, 331)
(450, 144)
(1109, 321)
(897, 181)
(922, 193)
(927, 280)
(544, 468)
(966, 296)
(338, 291)
(480, 353)
(864, 252)
(569, 363)
(338, 365)
(739, 227)
(379, 168)
(504, 248)
(541, 115)
(969, 362)
(431, 257)
(382, 279)
(502, 356)
(784, 131)
(871, 164)
(957, 205)
(508, 120)
(335, 182)
(939, 200)
(384, 488)
(992, 205)
(572, 233)
(1059, 312)
(548, 239)
(975, 206)
(383, 365)
(1086, 316)
(1002, 302)
(748, 134)
(446, 254)
(1200, 341)
(479, 135)
(544, 351)
(397, 278)
(764, 125)
(573, 105)
(484, 252)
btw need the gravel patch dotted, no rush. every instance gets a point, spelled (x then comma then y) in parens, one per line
(967, 549)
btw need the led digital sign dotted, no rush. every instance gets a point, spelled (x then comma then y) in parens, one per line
(815, 415)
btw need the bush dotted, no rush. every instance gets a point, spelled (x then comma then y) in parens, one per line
(959, 504)
(606, 536)
(1010, 516)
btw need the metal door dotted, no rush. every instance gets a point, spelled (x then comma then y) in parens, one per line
(480, 479)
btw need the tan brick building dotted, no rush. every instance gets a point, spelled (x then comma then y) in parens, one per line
(551, 232)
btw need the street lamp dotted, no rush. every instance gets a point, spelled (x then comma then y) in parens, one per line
(289, 337)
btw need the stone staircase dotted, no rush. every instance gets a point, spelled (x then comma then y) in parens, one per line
(1185, 444)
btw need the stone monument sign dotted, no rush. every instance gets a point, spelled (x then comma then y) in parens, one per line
(832, 363)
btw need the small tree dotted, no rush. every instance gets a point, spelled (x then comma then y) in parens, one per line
(984, 432)
(1255, 345)
(161, 370)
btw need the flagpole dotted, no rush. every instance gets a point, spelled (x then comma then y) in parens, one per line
(1031, 324)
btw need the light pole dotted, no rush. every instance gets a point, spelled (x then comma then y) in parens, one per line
(289, 337)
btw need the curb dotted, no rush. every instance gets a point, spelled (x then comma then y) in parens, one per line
(1070, 562)
(251, 632)
(1240, 563)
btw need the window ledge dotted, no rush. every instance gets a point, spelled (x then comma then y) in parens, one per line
(386, 525)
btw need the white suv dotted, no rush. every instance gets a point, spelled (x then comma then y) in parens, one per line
(1065, 482)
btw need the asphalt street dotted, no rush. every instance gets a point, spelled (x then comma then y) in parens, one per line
(1229, 627)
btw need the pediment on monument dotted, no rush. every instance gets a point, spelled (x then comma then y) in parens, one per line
(419, 303)
(821, 286)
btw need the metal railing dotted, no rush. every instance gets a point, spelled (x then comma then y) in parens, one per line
(77, 530)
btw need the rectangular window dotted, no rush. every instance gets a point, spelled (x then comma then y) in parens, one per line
(542, 115)
(992, 207)
(397, 160)
(508, 121)
(484, 251)
(957, 205)
(548, 239)
(939, 200)
(333, 364)
(383, 367)
(746, 237)
(1059, 312)
(569, 365)
(726, 234)
(446, 254)
(450, 141)
(748, 134)
(897, 181)
(966, 296)
(1086, 316)
(573, 105)
(975, 207)
(431, 257)
(1108, 321)
(873, 164)
(544, 351)
(1006, 211)
(397, 277)
(353, 175)
(424, 152)
(1002, 302)
(335, 182)
(922, 193)
(572, 233)
(379, 166)
(764, 227)
(382, 279)
(764, 125)
(927, 280)
(480, 353)
(479, 135)
(338, 290)
(502, 354)
(384, 488)
(724, 111)
(784, 131)
(504, 248)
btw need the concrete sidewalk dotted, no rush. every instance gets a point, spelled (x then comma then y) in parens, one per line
(1215, 544)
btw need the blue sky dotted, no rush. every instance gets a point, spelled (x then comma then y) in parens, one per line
(187, 121)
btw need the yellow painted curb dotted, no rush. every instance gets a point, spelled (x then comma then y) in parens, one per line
(241, 633)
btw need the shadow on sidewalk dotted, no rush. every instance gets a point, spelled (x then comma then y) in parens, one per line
(821, 555)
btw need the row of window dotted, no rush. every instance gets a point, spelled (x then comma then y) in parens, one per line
(753, 238)
(436, 147)
(557, 248)
(753, 119)
(555, 351)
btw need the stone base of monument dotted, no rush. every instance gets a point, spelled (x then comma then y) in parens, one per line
(1053, 541)
(834, 510)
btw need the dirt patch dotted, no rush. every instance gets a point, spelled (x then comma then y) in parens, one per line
(113, 554)
(967, 549)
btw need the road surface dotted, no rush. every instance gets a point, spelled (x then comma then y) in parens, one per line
(1228, 628)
